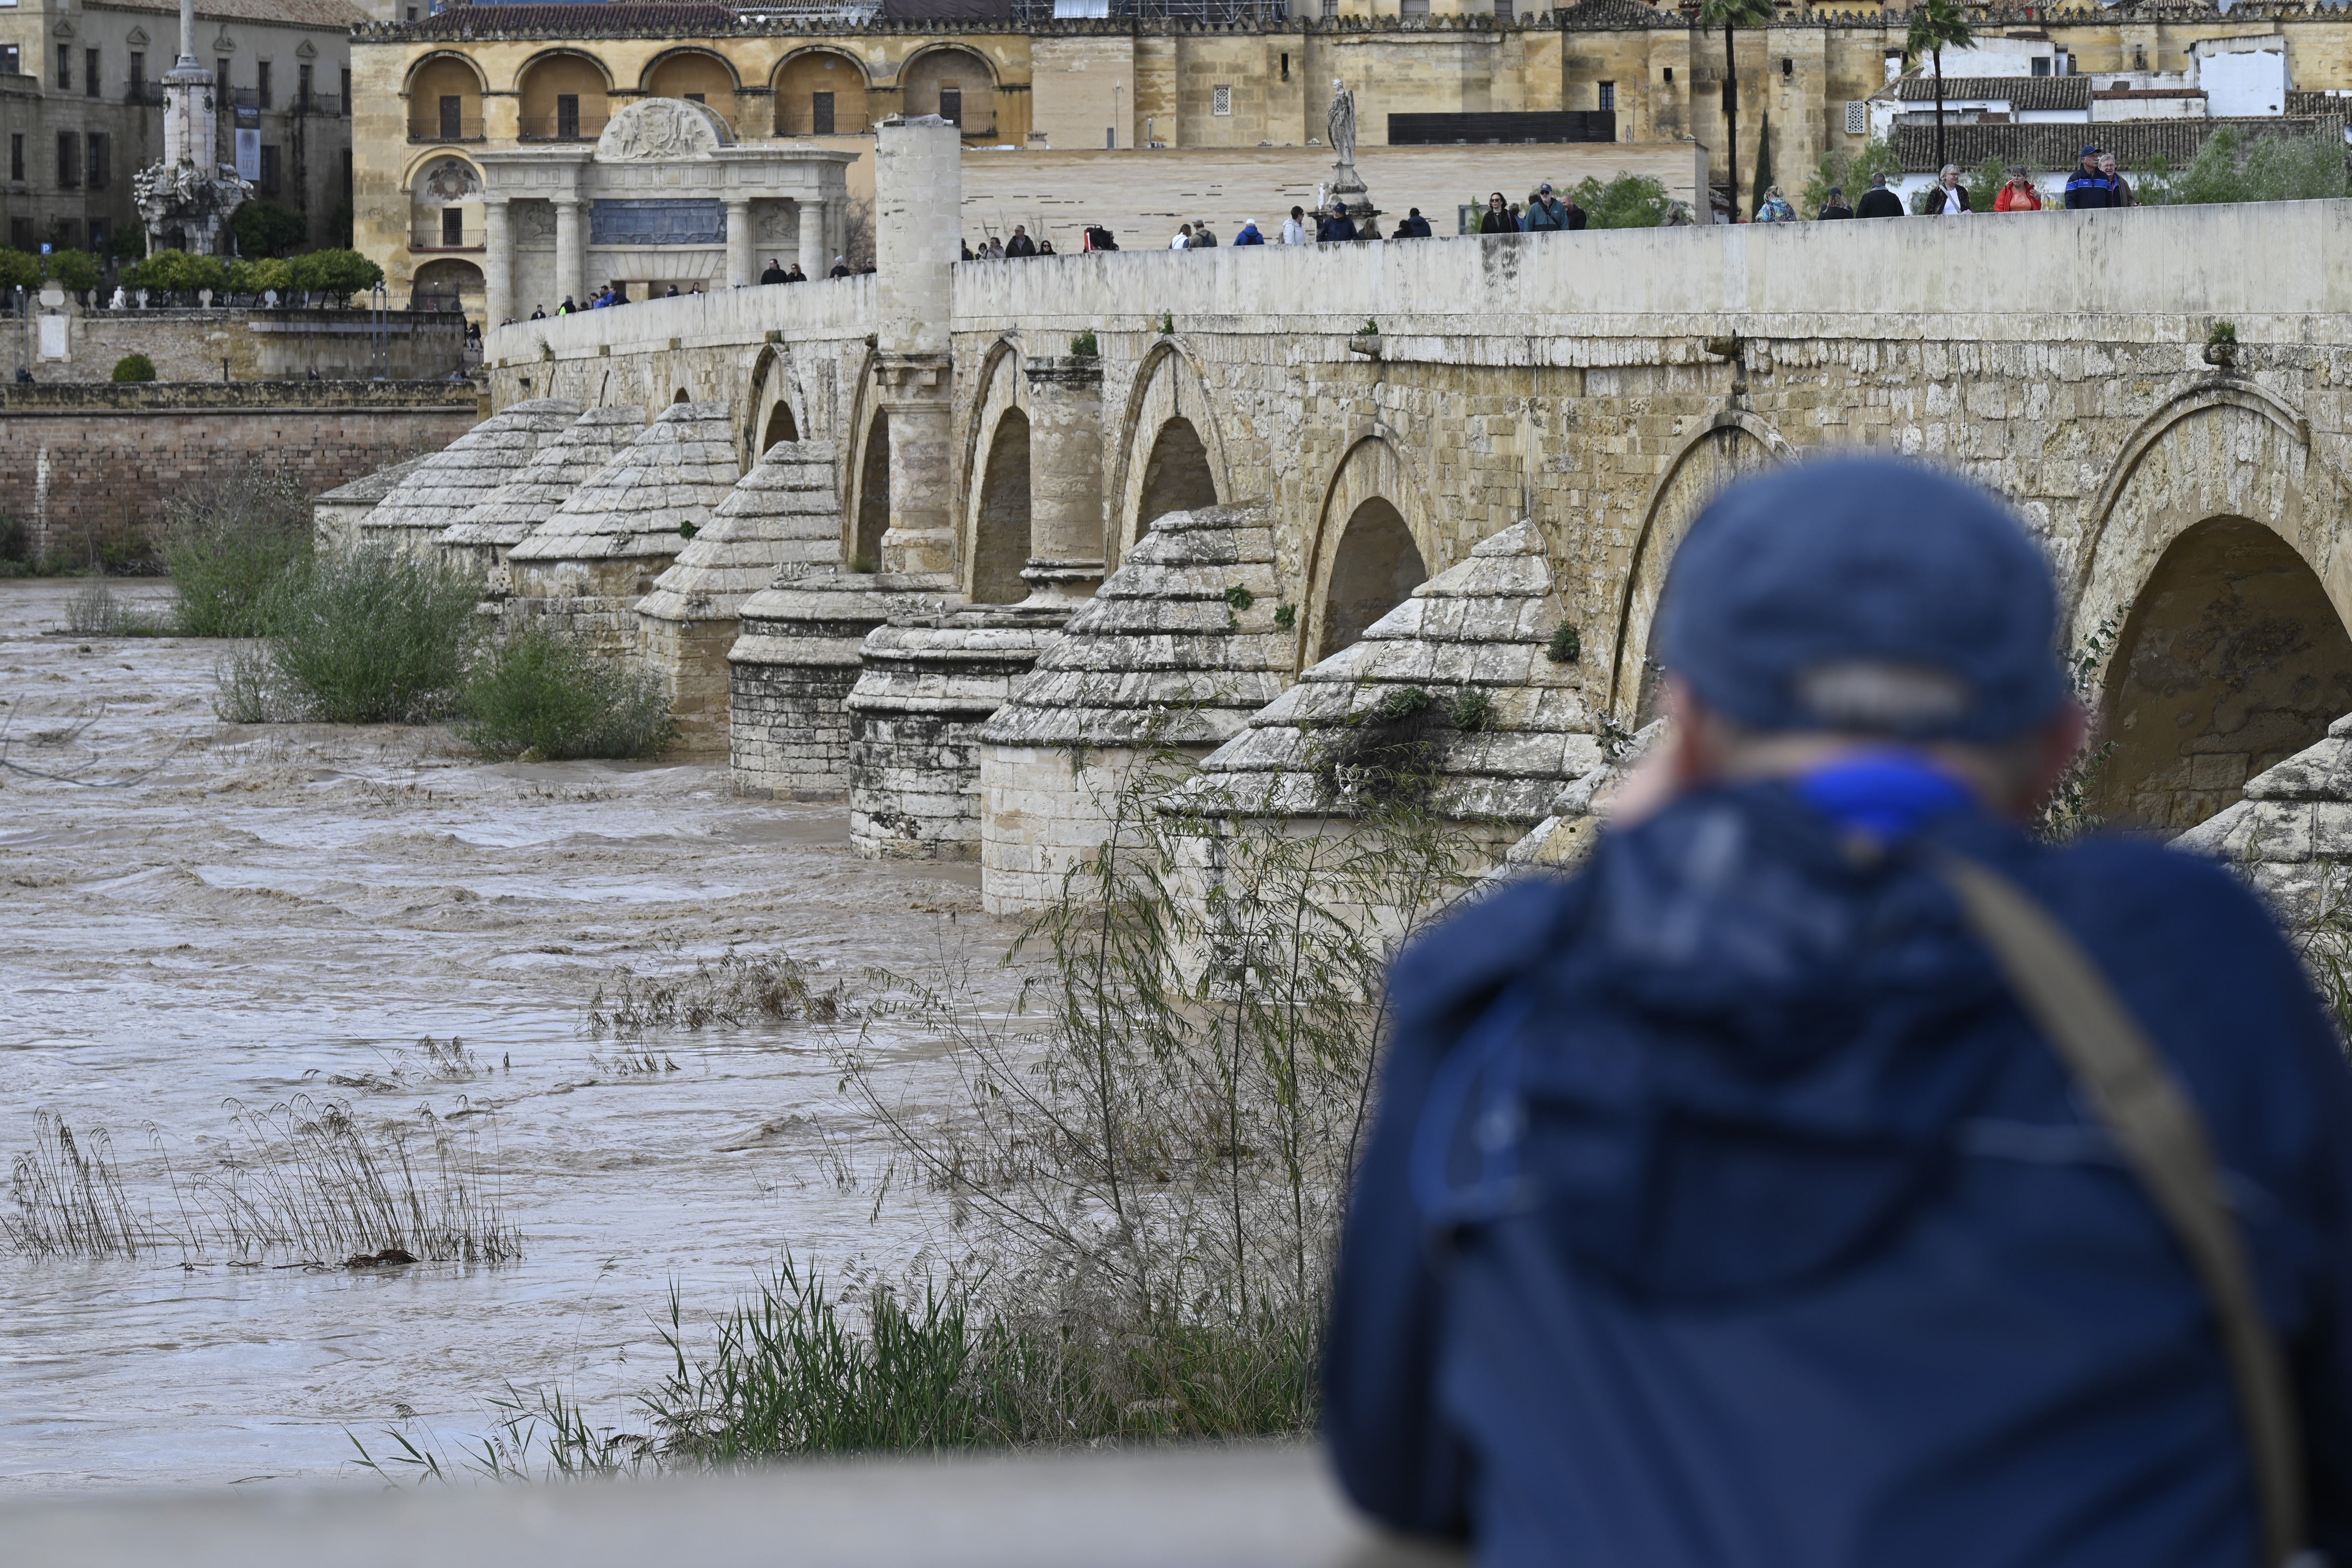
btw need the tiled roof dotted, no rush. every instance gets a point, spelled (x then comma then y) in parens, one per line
(2301, 102)
(2022, 93)
(1614, 13)
(621, 19)
(2136, 143)
(328, 15)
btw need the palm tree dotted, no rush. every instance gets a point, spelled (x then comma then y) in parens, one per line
(1937, 25)
(1731, 16)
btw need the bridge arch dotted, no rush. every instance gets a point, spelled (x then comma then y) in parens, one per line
(995, 537)
(2212, 569)
(866, 479)
(1732, 445)
(1171, 456)
(1373, 545)
(770, 414)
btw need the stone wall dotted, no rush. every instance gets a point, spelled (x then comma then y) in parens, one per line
(254, 345)
(87, 466)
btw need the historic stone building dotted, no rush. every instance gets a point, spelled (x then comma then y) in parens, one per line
(81, 109)
(1439, 484)
(1109, 98)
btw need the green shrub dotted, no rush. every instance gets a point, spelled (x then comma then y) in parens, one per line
(178, 272)
(341, 273)
(1629, 201)
(540, 691)
(18, 270)
(226, 542)
(254, 277)
(378, 637)
(2234, 167)
(134, 367)
(76, 270)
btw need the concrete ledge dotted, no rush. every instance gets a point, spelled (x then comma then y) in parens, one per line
(1248, 1506)
(98, 397)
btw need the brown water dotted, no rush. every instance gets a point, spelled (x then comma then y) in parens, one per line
(269, 906)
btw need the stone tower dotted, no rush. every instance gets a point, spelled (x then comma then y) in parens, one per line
(185, 201)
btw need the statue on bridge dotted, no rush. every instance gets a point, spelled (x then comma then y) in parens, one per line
(1347, 185)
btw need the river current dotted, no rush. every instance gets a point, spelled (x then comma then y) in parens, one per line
(197, 916)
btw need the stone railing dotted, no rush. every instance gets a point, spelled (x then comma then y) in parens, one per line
(1246, 1507)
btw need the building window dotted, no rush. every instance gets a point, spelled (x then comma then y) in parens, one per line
(951, 106)
(820, 114)
(101, 159)
(138, 76)
(302, 89)
(97, 236)
(1857, 117)
(2041, 65)
(69, 160)
(1330, 10)
(11, 62)
(261, 83)
(1220, 100)
(269, 181)
(1285, 67)
(220, 76)
(696, 97)
(412, 13)
(345, 106)
(567, 117)
(20, 234)
(65, 67)
(1788, 65)
(89, 73)
(1412, 7)
(17, 156)
(453, 118)
(1608, 97)
(68, 231)
(1503, 10)
(347, 173)
(453, 226)
(1670, 76)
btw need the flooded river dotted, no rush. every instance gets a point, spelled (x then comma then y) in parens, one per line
(264, 909)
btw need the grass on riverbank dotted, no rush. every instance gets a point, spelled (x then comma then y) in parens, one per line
(229, 541)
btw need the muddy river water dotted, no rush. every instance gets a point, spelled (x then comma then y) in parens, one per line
(263, 908)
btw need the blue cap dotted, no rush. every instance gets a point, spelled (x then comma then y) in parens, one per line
(1868, 596)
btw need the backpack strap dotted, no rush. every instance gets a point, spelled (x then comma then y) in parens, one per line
(2154, 1122)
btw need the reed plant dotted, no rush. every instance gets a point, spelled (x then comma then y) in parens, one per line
(376, 636)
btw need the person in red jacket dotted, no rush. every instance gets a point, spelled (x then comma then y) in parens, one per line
(2017, 195)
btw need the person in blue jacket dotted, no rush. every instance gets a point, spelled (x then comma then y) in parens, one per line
(1722, 1208)
(2088, 186)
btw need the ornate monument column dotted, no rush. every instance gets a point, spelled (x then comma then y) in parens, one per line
(1347, 185)
(1066, 483)
(811, 258)
(741, 267)
(567, 251)
(917, 205)
(186, 199)
(498, 261)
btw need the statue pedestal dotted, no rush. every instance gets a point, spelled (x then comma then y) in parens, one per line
(1347, 186)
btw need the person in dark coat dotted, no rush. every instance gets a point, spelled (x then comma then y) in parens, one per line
(1336, 226)
(1546, 212)
(1878, 201)
(1020, 244)
(1723, 1206)
(774, 274)
(1414, 225)
(1498, 218)
(1834, 205)
(2088, 186)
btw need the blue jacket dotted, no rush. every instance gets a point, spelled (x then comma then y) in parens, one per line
(2084, 189)
(1809, 1257)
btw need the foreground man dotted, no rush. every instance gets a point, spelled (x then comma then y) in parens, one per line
(1803, 1184)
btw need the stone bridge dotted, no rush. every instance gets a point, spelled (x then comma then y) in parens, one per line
(966, 535)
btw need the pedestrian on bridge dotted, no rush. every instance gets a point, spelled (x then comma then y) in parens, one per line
(1878, 201)
(1832, 1174)
(2088, 186)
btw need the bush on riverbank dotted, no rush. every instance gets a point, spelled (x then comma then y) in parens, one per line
(377, 636)
(540, 694)
(228, 540)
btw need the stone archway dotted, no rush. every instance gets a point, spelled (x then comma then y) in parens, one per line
(1732, 445)
(1377, 566)
(1373, 544)
(1001, 519)
(780, 428)
(1176, 476)
(873, 510)
(2230, 660)
(1151, 479)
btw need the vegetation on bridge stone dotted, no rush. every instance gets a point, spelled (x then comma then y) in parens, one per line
(1629, 201)
(373, 638)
